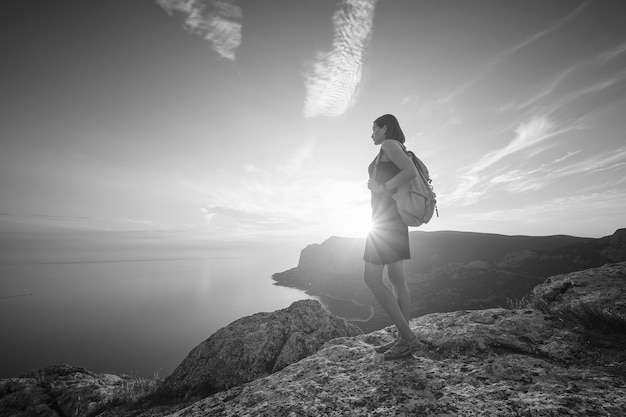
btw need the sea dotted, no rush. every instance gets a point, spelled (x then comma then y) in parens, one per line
(129, 306)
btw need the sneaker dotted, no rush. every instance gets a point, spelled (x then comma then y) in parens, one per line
(384, 348)
(403, 348)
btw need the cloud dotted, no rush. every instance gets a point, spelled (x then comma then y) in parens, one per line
(612, 54)
(332, 80)
(596, 88)
(543, 33)
(75, 223)
(275, 201)
(545, 91)
(526, 135)
(140, 222)
(517, 181)
(464, 194)
(479, 180)
(293, 207)
(566, 156)
(297, 160)
(481, 73)
(217, 21)
(558, 213)
(608, 161)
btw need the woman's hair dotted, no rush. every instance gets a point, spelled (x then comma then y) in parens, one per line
(393, 127)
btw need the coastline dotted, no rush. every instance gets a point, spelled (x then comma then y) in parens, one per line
(346, 308)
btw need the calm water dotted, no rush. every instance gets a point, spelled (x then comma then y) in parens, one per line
(126, 312)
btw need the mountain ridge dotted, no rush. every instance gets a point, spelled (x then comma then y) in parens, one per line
(449, 270)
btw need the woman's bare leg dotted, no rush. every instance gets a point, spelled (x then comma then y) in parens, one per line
(373, 277)
(395, 272)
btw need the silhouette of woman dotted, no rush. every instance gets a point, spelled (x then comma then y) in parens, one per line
(387, 243)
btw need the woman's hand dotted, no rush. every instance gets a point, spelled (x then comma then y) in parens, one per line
(375, 187)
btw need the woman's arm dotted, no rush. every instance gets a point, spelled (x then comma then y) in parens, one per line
(393, 150)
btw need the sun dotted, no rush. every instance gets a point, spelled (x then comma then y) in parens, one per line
(346, 209)
(356, 224)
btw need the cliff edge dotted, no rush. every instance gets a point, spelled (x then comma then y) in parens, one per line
(537, 361)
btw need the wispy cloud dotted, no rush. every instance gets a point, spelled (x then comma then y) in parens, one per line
(333, 78)
(75, 223)
(543, 33)
(566, 156)
(526, 135)
(543, 92)
(295, 161)
(517, 179)
(482, 178)
(612, 54)
(217, 21)
(284, 199)
(590, 86)
(608, 161)
(609, 206)
(467, 192)
(595, 88)
(285, 205)
(486, 69)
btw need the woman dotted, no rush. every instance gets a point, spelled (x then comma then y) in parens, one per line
(387, 244)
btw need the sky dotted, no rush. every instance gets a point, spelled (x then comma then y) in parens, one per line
(251, 120)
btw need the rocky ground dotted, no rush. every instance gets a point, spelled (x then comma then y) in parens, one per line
(64, 390)
(560, 353)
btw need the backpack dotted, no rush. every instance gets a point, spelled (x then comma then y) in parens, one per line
(416, 199)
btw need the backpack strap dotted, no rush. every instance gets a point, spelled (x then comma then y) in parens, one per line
(376, 161)
(408, 154)
(421, 167)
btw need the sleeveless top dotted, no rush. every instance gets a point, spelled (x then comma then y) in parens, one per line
(384, 207)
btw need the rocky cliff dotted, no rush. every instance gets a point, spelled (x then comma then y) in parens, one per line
(561, 353)
(533, 361)
(253, 347)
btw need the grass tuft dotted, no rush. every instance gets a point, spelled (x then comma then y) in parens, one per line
(136, 389)
(594, 319)
(589, 317)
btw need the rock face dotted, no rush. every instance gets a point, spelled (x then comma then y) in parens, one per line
(334, 268)
(596, 289)
(494, 362)
(255, 346)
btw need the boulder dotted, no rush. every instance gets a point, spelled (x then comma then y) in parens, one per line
(601, 290)
(253, 347)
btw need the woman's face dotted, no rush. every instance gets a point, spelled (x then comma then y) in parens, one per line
(378, 134)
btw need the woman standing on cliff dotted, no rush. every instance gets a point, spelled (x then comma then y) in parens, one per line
(387, 243)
